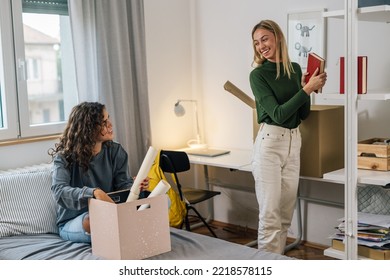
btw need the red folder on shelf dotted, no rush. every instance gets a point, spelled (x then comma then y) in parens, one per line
(314, 61)
(342, 75)
(361, 74)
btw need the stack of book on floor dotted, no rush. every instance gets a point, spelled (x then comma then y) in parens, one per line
(373, 236)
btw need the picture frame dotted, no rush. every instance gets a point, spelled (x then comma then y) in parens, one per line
(306, 33)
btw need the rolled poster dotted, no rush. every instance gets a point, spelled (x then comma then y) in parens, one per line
(142, 173)
(161, 188)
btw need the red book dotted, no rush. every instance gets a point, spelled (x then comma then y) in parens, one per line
(361, 75)
(314, 61)
(342, 75)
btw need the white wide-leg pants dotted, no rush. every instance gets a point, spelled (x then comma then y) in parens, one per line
(275, 168)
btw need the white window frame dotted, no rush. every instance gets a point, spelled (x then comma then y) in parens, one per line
(13, 71)
(27, 130)
(7, 75)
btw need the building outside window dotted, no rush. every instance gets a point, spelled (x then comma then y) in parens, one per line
(33, 68)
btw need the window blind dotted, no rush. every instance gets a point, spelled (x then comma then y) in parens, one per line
(57, 7)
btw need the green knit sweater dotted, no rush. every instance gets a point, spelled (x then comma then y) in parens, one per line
(281, 101)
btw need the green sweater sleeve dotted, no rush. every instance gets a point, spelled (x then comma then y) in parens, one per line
(281, 101)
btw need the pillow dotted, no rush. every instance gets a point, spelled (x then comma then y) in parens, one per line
(26, 202)
(374, 200)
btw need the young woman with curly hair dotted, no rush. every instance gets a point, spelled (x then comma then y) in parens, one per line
(87, 164)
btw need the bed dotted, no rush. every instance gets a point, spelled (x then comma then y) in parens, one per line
(28, 230)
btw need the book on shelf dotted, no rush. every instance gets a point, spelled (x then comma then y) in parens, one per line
(362, 74)
(369, 233)
(364, 251)
(362, 62)
(314, 61)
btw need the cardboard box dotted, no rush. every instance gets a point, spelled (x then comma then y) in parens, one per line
(121, 232)
(374, 154)
(364, 251)
(322, 135)
(322, 148)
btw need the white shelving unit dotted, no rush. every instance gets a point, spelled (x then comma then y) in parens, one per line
(337, 254)
(373, 96)
(375, 13)
(364, 177)
(351, 176)
(379, 13)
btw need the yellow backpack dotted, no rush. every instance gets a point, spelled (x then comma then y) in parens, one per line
(178, 210)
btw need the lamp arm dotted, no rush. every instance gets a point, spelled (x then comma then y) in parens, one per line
(197, 123)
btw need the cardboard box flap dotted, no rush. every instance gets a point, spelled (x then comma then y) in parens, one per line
(228, 86)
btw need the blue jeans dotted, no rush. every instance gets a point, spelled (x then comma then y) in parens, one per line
(73, 230)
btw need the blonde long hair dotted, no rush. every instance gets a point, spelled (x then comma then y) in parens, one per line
(281, 50)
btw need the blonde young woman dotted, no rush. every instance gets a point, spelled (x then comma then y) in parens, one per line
(282, 102)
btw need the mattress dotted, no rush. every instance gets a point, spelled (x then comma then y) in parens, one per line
(185, 246)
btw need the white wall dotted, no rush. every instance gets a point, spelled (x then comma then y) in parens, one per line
(195, 46)
(217, 35)
(168, 43)
(20, 155)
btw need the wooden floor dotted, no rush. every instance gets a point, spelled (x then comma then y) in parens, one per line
(241, 235)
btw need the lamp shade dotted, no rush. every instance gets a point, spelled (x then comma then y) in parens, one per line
(179, 109)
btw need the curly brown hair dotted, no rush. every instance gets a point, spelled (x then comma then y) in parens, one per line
(79, 137)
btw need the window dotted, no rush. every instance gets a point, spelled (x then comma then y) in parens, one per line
(8, 104)
(37, 36)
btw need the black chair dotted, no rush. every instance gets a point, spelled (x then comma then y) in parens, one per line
(174, 162)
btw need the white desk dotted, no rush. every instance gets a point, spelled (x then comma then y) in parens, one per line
(233, 161)
(236, 159)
